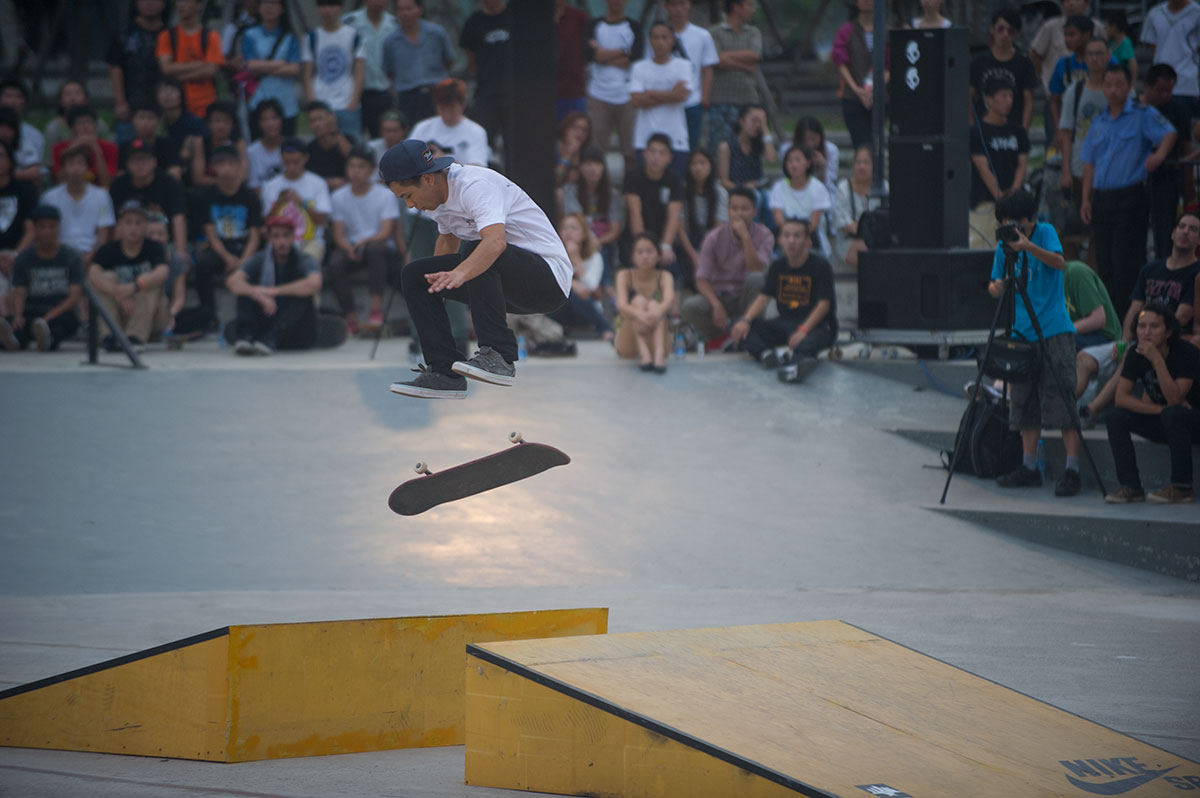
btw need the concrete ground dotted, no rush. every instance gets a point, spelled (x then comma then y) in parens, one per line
(137, 508)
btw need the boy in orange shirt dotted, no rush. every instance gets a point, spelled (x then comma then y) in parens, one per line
(191, 55)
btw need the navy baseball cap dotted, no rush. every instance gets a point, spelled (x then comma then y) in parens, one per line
(45, 212)
(409, 159)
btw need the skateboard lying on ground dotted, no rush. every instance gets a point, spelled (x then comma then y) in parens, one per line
(510, 465)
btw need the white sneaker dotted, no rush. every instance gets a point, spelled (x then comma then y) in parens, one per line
(8, 338)
(243, 347)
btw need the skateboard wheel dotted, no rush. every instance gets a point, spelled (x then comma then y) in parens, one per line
(421, 467)
(515, 437)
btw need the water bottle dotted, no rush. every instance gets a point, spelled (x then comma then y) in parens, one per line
(166, 338)
(521, 353)
(679, 346)
(700, 349)
(1041, 458)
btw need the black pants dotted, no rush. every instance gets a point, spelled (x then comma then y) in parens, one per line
(1163, 191)
(1178, 427)
(769, 333)
(492, 112)
(209, 270)
(374, 258)
(374, 102)
(61, 327)
(580, 311)
(858, 121)
(518, 282)
(416, 104)
(1119, 222)
(294, 325)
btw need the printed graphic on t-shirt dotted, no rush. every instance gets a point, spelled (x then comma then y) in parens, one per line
(1007, 143)
(298, 215)
(8, 212)
(230, 221)
(1164, 289)
(128, 272)
(794, 290)
(333, 64)
(49, 281)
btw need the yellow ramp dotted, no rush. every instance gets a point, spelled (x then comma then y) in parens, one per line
(273, 691)
(819, 709)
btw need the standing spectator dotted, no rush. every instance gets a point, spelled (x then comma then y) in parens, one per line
(582, 305)
(192, 55)
(931, 16)
(1124, 144)
(132, 63)
(184, 129)
(705, 205)
(130, 277)
(231, 35)
(416, 56)
(739, 51)
(1166, 184)
(271, 58)
(614, 39)
(71, 94)
(645, 296)
(1048, 47)
(801, 283)
(572, 26)
(594, 196)
(221, 130)
(1116, 28)
(999, 152)
(47, 286)
(393, 129)
(275, 290)
(852, 200)
(658, 88)
(102, 155)
(264, 156)
(1072, 67)
(654, 198)
(18, 198)
(30, 152)
(300, 197)
(374, 24)
(328, 150)
(1168, 411)
(450, 126)
(485, 37)
(1081, 102)
(332, 55)
(85, 211)
(146, 119)
(800, 194)
(852, 54)
(730, 272)
(232, 217)
(154, 190)
(364, 218)
(1172, 29)
(697, 46)
(1003, 59)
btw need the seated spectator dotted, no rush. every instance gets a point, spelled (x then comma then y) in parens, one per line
(654, 198)
(729, 275)
(658, 88)
(71, 94)
(365, 215)
(574, 136)
(705, 205)
(329, 147)
(800, 194)
(332, 58)
(999, 151)
(801, 283)
(275, 290)
(810, 131)
(263, 156)
(184, 324)
(156, 191)
(645, 295)
(191, 55)
(451, 128)
(740, 158)
(582, 307)
(47, 286)
(129, 276)
(85, 211)
(232, 215)
(184, 129)
(17, 201)
(852, 200)
(221, 130)
(592, 194)
(102, 155)
(393, 129)
(301, 197)
(271, 59)
(30, 146)
(145, 118)
(1168, 411)
(1091, 309)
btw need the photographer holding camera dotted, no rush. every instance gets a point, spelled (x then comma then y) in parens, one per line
(1034, 254)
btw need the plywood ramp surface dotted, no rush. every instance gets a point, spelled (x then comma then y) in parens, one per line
(820, 708)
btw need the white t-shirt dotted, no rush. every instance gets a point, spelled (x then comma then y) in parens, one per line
(363, 216)
(467, 139)
(832, 154)
(800, 203)
(593, 271)
(33, 143)
(700, 51)
(610, 84)
(264, 164)
(312, 189)
(646, 75)
(1176, 38)
(333, 71)
(480, 198)
(83, 217)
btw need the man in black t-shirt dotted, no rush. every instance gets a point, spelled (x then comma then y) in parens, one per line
(17, 201)
(801, 283)
(1171, 280)
(485, 38)
(1000, 168)
(1004, 60)
(654, 201)
(232, 215)
(146, 118)
(130, 276)
(184, 129)
(154, 190)
(328, 150)
(47, 286)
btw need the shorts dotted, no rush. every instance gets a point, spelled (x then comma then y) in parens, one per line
(1041, 404)
(1103, 355)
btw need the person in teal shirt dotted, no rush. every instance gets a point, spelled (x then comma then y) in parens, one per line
(1116, 29)
(1046, 401)
(1089, 306)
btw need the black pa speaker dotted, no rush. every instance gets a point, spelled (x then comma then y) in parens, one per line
(928, 86)
(930, 191)
(925, 289)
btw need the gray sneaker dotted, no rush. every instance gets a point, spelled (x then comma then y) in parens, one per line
(243, 347)
(8, 338)
(432, 385)
(488, 365)
(41, 334)
(263, 348)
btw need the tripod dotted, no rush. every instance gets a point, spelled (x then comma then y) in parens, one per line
(1015, 287)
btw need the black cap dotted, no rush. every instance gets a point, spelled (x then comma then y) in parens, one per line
(292, 145)
(140, 147)
(45, 212)
(133, 206)
(224, 151)
(409, 159)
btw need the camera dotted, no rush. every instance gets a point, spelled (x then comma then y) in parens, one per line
(1008, 233)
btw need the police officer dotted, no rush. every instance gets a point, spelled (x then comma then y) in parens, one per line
(1124, 144)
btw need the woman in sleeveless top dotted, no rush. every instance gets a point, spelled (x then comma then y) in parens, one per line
(644, 296)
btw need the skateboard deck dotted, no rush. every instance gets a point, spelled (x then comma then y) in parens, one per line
(518, 462)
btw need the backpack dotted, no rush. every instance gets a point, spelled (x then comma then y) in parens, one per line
(875, 229)
(989, 447)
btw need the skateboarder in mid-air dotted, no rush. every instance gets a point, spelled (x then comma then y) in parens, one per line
(496, 251)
